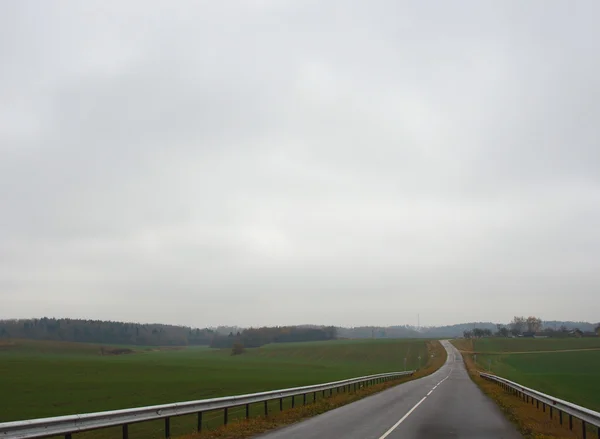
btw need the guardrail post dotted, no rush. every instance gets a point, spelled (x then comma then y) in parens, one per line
(167, 427)
(68, 436)
(544, 407)
(266, 409)
(199, 426)
(570, 422)
(560, 416)
(280, 404)
(550, 412)
(537, 404)
(314, 396)
(225, 416)
(125, 431)
(304, 399)
(584, 429)
(247, 411)
(293, 401)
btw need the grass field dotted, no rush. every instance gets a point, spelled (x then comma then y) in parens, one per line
(50, 379)
(573, 374)
(535, 344)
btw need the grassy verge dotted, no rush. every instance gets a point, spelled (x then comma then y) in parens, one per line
(532, 422)
(245, 428)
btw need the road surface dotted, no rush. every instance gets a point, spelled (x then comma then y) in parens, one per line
(445, 404)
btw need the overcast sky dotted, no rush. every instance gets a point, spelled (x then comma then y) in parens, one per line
(286, 162)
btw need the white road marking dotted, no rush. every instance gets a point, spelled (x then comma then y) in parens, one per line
(393, 427)
(387, 433)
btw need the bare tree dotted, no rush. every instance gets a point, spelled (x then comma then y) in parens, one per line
(534, 324)
(237, 349)
(518, 324)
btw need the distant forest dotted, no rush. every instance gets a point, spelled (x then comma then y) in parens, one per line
(97, 331)
(108, 332)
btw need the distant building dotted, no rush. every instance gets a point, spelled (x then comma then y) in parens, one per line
(576, 333)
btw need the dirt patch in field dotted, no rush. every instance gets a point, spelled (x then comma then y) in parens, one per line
(165, 349)
(6, 344)
(116, 351)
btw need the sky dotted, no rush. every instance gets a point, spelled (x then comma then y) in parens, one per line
(271, 162)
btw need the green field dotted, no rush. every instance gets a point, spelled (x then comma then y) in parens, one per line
(50, 379)
(573, 375)
(535, 344)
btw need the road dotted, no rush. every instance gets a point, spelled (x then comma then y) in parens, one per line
(445, 404)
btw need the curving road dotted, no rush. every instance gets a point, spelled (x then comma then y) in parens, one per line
(445, 404)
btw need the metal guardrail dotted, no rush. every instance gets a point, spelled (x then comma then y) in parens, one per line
(68, 425)
(586, 416)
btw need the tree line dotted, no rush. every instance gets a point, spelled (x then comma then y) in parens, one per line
(109, 332)
(99, 331)
(527, 326)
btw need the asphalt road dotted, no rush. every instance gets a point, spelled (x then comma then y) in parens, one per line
(445, 404)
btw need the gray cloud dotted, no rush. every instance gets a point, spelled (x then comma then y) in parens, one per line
(272, 162)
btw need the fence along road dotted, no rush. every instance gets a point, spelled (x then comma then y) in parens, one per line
(68, 425)
(556, 407)
(445, 404)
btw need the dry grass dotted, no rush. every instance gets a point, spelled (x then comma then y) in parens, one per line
(247, 428)
(532, 422)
